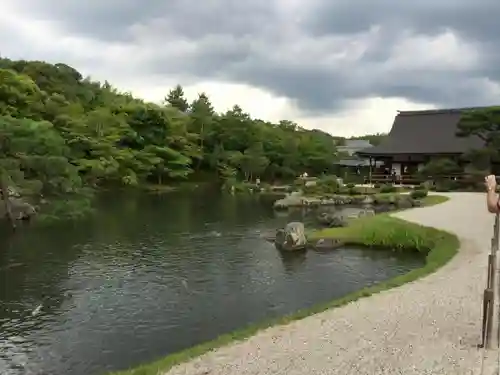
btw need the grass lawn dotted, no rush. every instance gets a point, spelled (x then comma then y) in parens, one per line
(376, 231)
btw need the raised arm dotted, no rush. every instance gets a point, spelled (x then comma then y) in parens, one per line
(491, 196)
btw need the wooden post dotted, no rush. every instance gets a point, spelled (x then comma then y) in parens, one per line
(490, 296)
(370, 172)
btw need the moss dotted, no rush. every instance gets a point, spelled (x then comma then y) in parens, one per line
(376, 231)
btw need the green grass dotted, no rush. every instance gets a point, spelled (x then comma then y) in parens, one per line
(432, 200)
(376, 231)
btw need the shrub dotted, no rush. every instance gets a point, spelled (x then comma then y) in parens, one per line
(418, 194)
(342, 190)
(350, 185)
(328, 181)
(440, 168)
(324, 185)
(443, 186)
(422, 186)
(388, 189)
(376, 186)
(353, 191)
(474, 181)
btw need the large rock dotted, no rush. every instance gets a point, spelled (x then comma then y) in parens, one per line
(20, 209)
(366, 212)
(367, 200)
(290, 200)
(328, 244)
(332, 220)
(291, 238)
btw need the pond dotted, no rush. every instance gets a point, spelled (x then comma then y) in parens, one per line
(151, 275)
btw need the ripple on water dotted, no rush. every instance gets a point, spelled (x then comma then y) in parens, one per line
(116, 292)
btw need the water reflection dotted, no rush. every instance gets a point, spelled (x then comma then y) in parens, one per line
(293, 261)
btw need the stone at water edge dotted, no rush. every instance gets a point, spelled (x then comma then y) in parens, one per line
(290, 200)
(367, 200)
(291, 238)
(20, 210)
(328, 244)
(332, 220)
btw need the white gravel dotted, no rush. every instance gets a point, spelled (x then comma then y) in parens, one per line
(430, 326)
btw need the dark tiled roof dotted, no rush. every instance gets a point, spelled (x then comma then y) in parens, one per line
(425, 132)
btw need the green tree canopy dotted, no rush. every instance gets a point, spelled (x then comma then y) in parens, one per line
(62, 133)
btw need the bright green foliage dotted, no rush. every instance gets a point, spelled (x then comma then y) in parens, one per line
(34, 160)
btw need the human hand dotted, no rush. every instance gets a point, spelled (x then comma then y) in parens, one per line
(490, 182)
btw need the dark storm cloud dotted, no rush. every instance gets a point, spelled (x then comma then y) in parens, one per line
(115, 19)
(471, 19)
(256, 43)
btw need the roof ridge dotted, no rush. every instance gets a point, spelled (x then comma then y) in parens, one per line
(440, 110)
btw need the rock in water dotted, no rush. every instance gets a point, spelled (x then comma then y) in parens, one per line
(20, 209)
(291, 238)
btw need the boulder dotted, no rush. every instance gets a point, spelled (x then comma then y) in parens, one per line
(291, 238)
(20, 209)
(337, 222)
(332, 220)
(366, 212)
(291, 200)
(328, 244)
(367, 200)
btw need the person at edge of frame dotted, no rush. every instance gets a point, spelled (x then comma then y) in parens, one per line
(492, 199)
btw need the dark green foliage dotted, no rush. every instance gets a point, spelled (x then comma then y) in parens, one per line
(324, 185)
(440, 169)
(388, 188)
(353, 191)
(418, 194)
(485, 124)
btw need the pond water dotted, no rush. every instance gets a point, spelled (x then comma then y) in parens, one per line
(151, 275)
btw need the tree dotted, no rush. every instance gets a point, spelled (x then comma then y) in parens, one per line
(176, 99)
(483, 123)
(438, 169)
(202, 116)
(34, 161)
(253, 162)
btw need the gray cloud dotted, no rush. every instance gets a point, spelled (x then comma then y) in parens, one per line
(290, 52)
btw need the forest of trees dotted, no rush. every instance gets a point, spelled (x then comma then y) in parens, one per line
(63, 135)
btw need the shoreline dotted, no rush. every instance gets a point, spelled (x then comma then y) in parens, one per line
(443, 251)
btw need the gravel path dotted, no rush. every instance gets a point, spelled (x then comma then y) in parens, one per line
(430, 326)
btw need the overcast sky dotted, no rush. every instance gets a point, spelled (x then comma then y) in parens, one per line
(344, 66)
